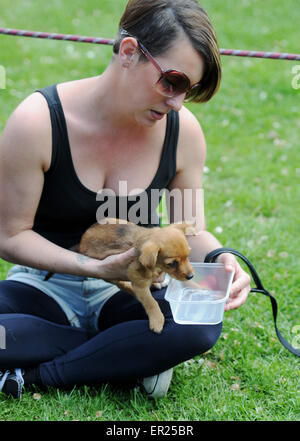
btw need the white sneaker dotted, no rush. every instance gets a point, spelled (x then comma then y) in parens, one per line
(157, 386)
(11, 383)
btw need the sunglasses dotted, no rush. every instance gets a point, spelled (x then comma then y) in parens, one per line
(171, 83)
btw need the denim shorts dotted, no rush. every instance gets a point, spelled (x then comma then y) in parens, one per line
(81, 298)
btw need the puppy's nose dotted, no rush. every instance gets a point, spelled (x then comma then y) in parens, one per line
(189, 276)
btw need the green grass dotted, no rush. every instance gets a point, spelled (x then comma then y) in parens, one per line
(251, 192)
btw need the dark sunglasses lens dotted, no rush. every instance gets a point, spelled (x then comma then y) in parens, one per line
(173, 83)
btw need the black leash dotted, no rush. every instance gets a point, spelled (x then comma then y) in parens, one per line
(211, 257)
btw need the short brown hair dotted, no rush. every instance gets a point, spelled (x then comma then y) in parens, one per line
(157, 23)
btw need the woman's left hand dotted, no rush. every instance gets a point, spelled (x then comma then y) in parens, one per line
(240, 287)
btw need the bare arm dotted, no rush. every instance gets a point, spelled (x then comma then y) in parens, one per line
(188, 180)
(191, 160)
(25, 154)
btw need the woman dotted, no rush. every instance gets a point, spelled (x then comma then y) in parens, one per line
(61, 146)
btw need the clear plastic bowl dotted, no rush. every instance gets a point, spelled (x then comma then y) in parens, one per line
(202, 299)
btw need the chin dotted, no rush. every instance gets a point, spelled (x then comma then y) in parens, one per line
(145, 119)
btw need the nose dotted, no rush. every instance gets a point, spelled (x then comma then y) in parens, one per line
(175, 102)
(189, 276)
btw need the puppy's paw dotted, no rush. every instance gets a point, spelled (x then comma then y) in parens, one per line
(156, 323)
(161, 285)
(162, 281)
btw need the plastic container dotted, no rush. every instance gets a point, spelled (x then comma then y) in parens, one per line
(202, 299)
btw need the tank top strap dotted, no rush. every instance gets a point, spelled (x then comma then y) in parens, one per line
(167, 166)
(60, 142)
(171, 141)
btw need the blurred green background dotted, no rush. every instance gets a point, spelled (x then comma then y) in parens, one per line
(252, 200)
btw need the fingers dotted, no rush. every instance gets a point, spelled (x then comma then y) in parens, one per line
(240, 287)
(129, 254)
(123, 258)
(228, 260)
(115, 266)
(239, 291)
(242, 281)
(239, 300)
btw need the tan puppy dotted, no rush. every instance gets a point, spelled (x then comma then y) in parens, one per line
(158, 250)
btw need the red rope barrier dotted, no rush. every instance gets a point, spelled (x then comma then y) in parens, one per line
(94, 40)
(46, 35)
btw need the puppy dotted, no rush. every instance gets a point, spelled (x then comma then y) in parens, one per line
(158, 250)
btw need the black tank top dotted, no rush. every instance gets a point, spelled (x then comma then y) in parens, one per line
(67, 208)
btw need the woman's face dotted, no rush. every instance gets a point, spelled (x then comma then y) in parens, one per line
(144, 100)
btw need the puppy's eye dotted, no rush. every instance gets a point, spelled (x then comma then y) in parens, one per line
(173, 264)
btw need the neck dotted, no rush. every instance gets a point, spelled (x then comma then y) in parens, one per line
(109, 100)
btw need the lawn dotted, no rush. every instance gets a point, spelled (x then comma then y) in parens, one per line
(252, 203)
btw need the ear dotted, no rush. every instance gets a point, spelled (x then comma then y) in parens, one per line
(149, 252)
(188, 228)
(128, 48)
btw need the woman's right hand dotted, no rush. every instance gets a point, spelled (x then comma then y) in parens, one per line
(115, 267)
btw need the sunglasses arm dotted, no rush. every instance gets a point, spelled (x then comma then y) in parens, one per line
(150, 58)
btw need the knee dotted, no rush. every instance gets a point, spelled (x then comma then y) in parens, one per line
(201, 338)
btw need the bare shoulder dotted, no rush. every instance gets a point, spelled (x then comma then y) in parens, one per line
(25, 152)
(191, 141)
(28, 131)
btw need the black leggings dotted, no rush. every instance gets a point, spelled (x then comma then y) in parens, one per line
(38, 334)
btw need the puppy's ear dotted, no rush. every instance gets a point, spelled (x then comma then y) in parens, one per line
(188, 228)
(149, 252)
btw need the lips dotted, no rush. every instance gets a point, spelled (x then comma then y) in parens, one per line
(157, 115)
